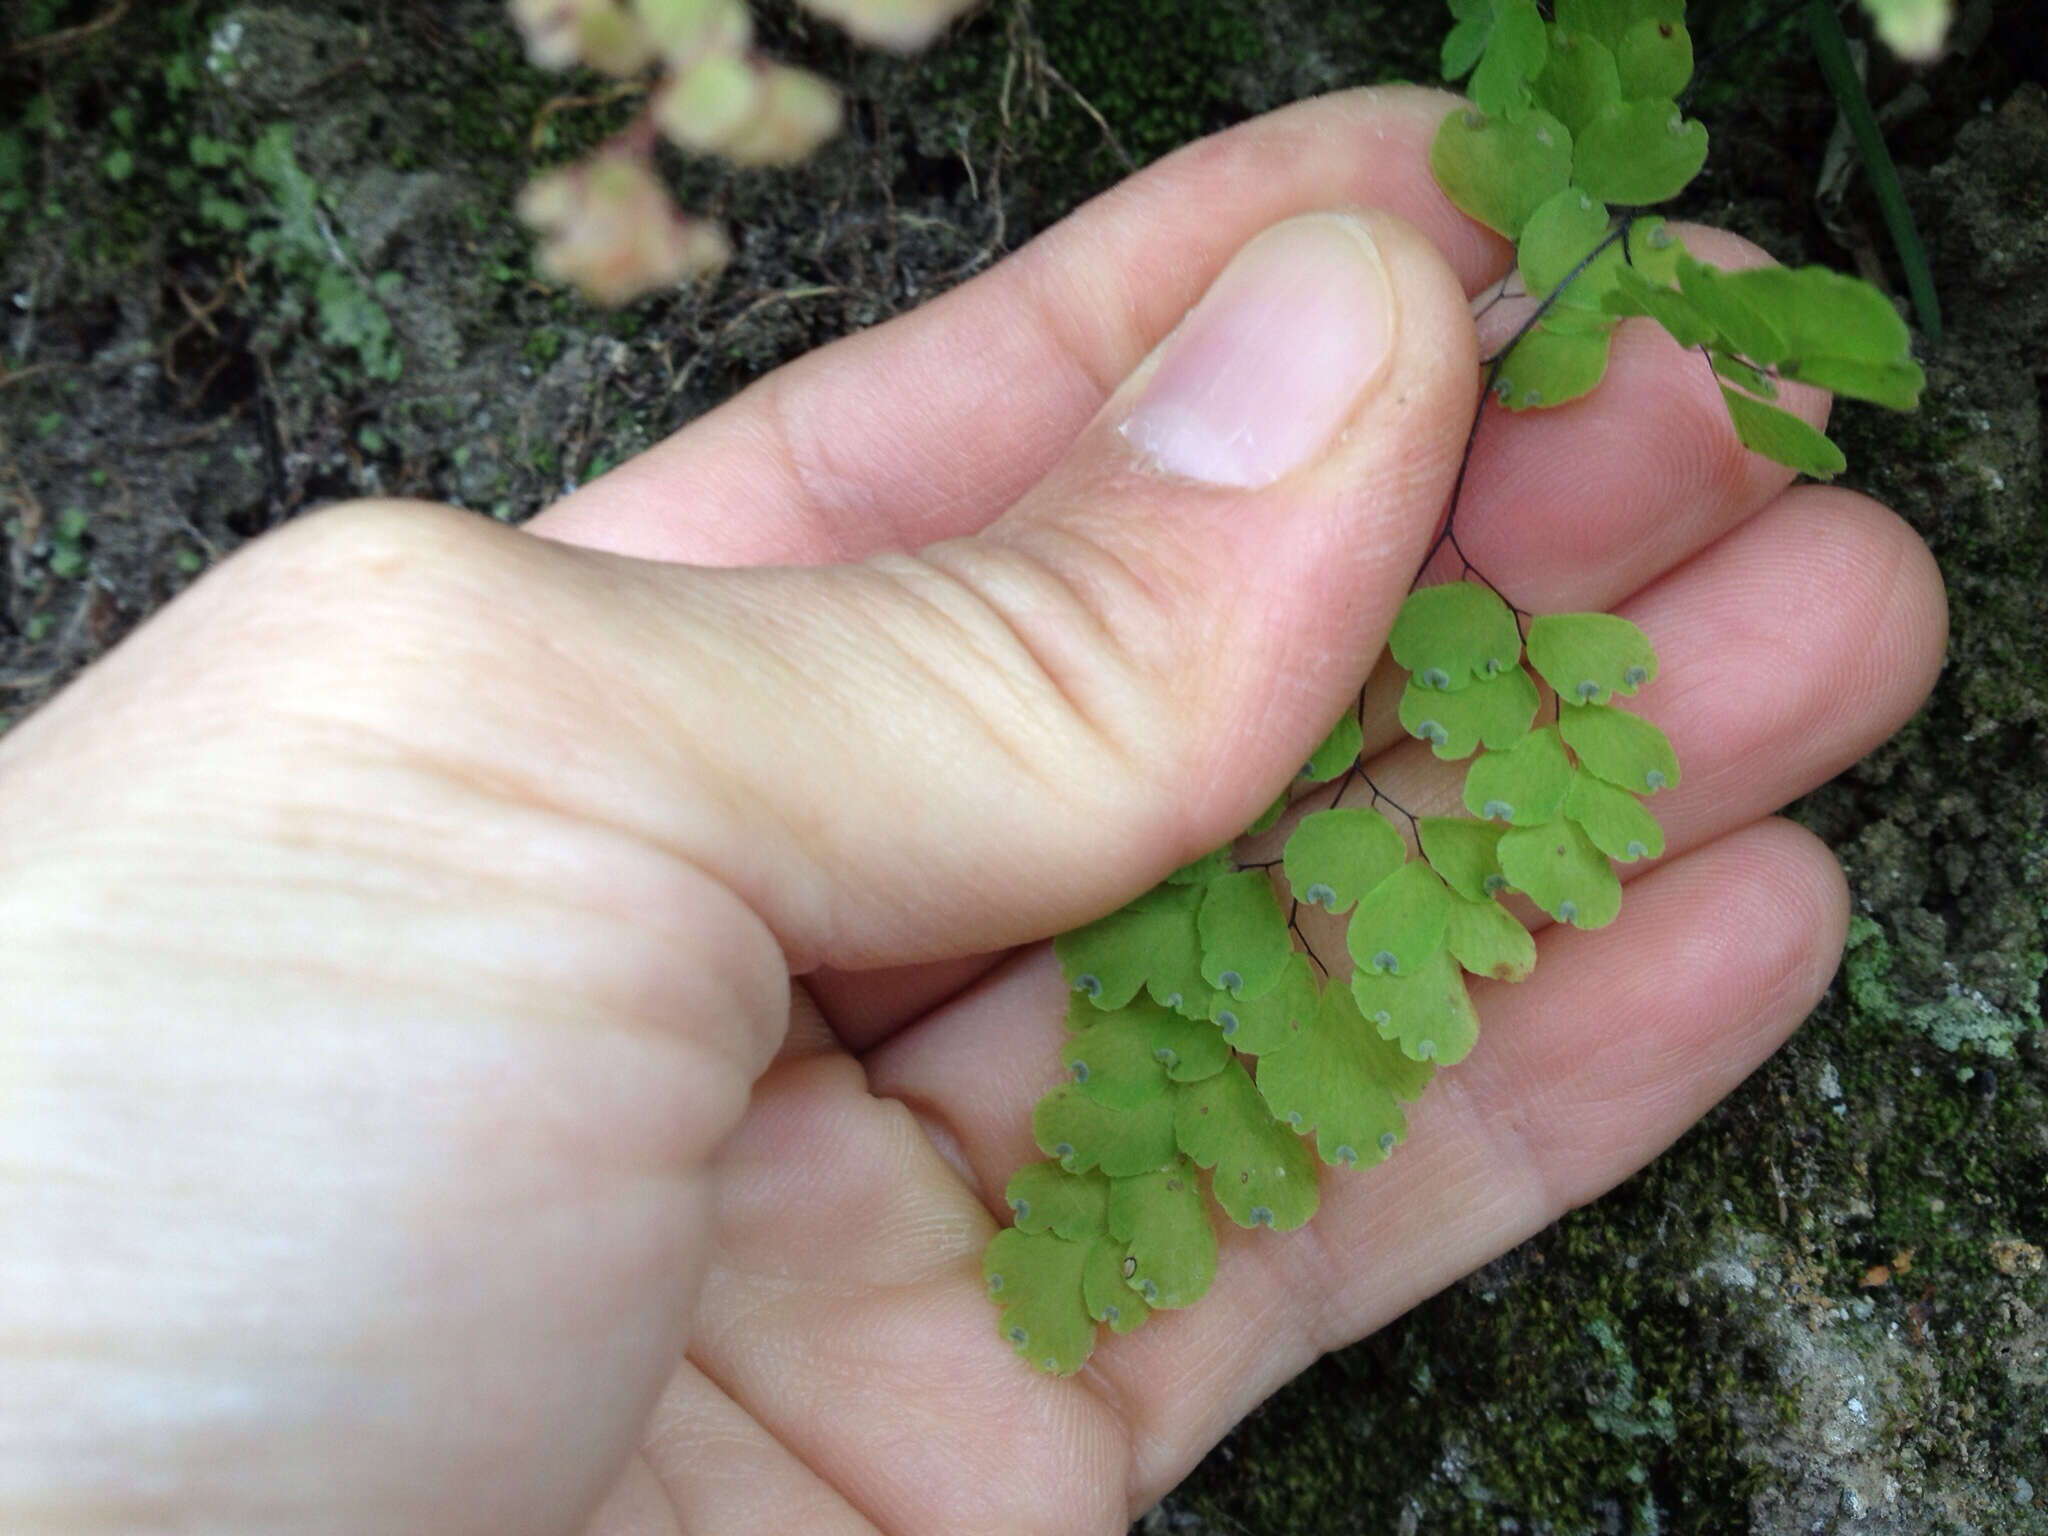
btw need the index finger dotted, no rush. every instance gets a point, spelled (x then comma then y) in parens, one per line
(928, 427)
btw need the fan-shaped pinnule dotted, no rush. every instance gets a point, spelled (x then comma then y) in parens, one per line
(1451, 635)
(1338, 753)
(1523, 785)
(1618, 823)
(1557, 866)
(1494, 711)
(1336, 856)
(1399, 924)
(1149, 945)
(1044, 1197)
(1263, 1176)
(1127, 1056)
(1490, 941)
(1244, 938)
(1163, 1221)
(1464, 853)
(1500, 170)
(1035, 1279)
(1590, 657)
(1343, 1082)
(1622, 748)
(1428, 1014)
(1084, 1133)
(1105, 1290)
(1255, 1025)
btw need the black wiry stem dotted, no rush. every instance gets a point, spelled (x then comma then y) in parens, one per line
(1381, 797)
(1704, 69)
(1306, 948)
(1449, 533)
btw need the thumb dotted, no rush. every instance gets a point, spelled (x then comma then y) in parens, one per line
(1006, 735)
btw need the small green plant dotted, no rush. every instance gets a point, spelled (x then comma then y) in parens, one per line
(67, 544)
(262, 193)
(299, 241)
(1218, 1021)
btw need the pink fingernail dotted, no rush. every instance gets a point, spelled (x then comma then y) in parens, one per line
(1269, 366)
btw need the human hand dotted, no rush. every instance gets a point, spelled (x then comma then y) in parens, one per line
(407, 1119)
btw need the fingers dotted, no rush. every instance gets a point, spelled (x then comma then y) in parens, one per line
(706, 1466)
(1763, 691)
(930, 426)
(1753, 731)
(1619, 1040)
(844, 1314)
(863, 1007)
(1586, 501)
(1575, 507)
(1617, 1044)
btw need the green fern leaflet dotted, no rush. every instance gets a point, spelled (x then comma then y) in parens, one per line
(1214, 1059)
(1223, 1043)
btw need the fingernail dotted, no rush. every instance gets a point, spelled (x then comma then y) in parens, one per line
(1269, 366)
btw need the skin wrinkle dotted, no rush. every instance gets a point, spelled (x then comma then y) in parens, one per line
(999, 632)
(1127, 580)
(680, 1418)
(939, 1128)
(1468, 1140)
(1097, 654)
(1098, 580)
(939, 1270)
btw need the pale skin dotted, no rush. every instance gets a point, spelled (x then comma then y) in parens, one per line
(499, 1036)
